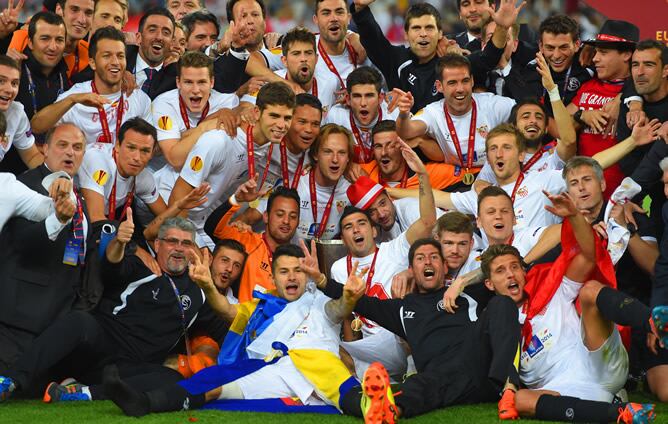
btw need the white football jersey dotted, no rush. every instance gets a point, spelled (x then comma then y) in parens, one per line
(18, 132)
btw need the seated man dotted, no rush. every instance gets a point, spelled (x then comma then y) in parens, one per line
(308, 330)
(135, 324)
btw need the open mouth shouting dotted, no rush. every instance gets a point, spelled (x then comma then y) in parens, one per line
(358, 239)
(429, 273)
(514, 288)
(157, 48)
(196, 102)
(499, 165)
(335, 169)
(292, 289)
(334, 29)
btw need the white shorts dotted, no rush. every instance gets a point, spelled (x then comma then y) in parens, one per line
(383, 347)
(278, 380)
(594, 375)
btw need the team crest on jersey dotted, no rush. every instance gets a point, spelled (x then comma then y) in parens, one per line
(196, 163)
(186, 302)
(100, 177)
(523, 192)
(434, 90)
(340, 204)
(573, 84)
(483, 131)
(165, 123)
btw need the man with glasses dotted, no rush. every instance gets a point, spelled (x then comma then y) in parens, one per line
(142, 317)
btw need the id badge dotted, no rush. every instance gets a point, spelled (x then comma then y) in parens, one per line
(72, 248)
(312, 229)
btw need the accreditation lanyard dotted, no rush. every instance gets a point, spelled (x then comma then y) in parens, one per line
(284, 167)
(112, 196)
(455, 138)
(314, 205)
(184, 323)
(250, 151)
(106, 134)
(330, 65)
(184, 113)
(363, 152)
(372, 268)
(32, 88)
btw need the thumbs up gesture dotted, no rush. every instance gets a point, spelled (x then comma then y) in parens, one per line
(127, 228)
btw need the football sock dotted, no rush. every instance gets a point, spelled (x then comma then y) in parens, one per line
(571, 409)
(623, 309)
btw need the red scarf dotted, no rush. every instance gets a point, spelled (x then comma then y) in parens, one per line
(543, 280)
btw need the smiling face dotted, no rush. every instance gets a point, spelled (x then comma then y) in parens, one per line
(456, 85)
(304, 128)
(289, 279)
(178, 42)
(65, 150)
(496, 218)
(358, 235)
(78, 17)
(455, 248)
(504, 157)
(363, 100)
(48, 44)
(195, 86)
(300, 62)
(423, 35)
(585, 187)
(611, 64)
(647, 71)
(133, 154)
(558, 50)
(275, 121)
(507, 277)
(173, 249)
(474, 14)
(382, 212)
(532, 123)
(332, 157)
(282, 219)
(155, 39)
(9, 86)
(226, 267)
(203, 35)
(332, 18)
(109, 62)
(428, 268)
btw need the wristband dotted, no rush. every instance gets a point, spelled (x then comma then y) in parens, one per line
(554, 94)
(233, 200)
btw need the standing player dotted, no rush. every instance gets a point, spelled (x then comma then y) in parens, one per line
(224, 161)
(98, 107)
(461, 121)
(365, 106)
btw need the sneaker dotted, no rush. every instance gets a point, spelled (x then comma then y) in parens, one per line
(59, 393)
(659, 323)
(377, 402)
(507, 410)
(7, 386)
(636, 413)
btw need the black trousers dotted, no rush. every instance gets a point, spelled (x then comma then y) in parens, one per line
(77, 345)
(477, 374)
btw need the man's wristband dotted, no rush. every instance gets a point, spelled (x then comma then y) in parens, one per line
(554, 94)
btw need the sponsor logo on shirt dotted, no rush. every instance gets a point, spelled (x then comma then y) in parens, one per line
(196, 163)
(411, 79)
(100, 177)
(411, 314)
(165, 123)
(304, 204)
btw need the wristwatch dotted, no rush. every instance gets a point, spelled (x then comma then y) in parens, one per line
(577, 116)
(632, 229)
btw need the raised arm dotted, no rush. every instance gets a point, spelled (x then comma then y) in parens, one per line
(643, 133)
(200, 272)
(49, 116)
(407, 128)
(441, 198)
(339, 309)
(116, 247)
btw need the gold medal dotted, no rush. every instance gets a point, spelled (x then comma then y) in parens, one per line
(356, 324)
(468, 178)
(254, 204)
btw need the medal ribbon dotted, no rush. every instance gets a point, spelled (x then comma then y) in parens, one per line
(372, 268)
(330, 65)
(103, 116)
(284, 167)
(112, 196)
(184, 113)
(455, 137)
(250, 150)
(363, 153)
(314, 205)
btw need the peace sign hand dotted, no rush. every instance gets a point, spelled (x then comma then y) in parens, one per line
(199, 269)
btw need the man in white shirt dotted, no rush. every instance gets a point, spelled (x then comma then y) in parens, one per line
(227, 161)
(461, 121)
(383, 261)
(17, 132)
(98, 107)
(156, 29)
(525, 189)
(18, 200)
(180, 115)
(365, 106)
(299, 58)
(111, 176)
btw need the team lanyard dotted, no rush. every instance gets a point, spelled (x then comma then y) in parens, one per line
(77, 227)
(184, 113)
(568, 76)
(103, 117)
(534, 158)
(314, 86)
(402, 184)
(372, 268)
(32, 87)
(250, 150)
(314, 205)
(284, 167)
(455, 137)
(516, 186)
(363, 153)
(112, 196)
(184, 323)
(330, 65)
